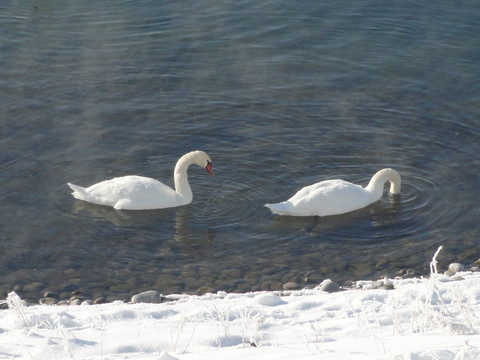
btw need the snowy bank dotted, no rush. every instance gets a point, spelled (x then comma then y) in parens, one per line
(434, 318)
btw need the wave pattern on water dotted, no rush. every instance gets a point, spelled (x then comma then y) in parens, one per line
(280, 95)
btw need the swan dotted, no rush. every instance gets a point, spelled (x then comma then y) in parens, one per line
(333, 197)
(134, 192)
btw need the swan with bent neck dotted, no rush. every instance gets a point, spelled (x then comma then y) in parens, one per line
(334, 197)
(134, 192)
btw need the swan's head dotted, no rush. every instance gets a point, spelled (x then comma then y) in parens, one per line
(202, 159)
(209, 168)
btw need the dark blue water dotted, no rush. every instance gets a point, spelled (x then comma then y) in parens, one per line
(280, 94)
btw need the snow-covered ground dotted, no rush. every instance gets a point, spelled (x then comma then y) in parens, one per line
(424, 318)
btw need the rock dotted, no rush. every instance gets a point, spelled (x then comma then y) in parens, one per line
(87, 302)
(204, 290)
(231, 274)
(77, 297)
(384, 284)
(70, 272)
(75, 302)
(70, 286)
(455, 267)
(33, 287)
(100, 300)
(405, 273)
(328, 286)
(291, 285)
(50, 294)
(48, 301)
(151, 296)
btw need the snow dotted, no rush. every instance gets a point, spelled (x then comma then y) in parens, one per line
(422, 318)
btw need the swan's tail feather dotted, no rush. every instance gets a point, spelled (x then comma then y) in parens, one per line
(79, 192)
(283, 208)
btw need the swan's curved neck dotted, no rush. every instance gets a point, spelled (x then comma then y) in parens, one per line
(378, 181)
(180, 177)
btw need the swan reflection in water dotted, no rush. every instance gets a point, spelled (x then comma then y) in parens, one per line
(154, 220)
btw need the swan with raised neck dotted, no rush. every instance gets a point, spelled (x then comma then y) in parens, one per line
(134, 192)
(334, 197)
(180, 175)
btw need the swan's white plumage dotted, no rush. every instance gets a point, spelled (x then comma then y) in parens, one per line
(333, 197)
(134, 192)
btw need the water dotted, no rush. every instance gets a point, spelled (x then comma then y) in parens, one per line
(280, 94)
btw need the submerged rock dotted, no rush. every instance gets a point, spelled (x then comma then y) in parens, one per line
(33, 287)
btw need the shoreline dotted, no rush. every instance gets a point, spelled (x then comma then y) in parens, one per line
(79, 297)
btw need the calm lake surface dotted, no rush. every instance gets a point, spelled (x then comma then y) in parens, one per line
(280, 94)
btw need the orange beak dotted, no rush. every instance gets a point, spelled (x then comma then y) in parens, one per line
(209, 168)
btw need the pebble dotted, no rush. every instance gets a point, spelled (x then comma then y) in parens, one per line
(100, 300)
(406, 272)
(75, 302)
(151, 296)
(33, 287)
(454, 268)
(328, 286)
(291, 285)
(231, 274)
(77, 297)
(48, 301)
(385, 284)
(204, 290)
(49, 294)
(230, 280)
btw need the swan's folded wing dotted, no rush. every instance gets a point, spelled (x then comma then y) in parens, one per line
(330, 198)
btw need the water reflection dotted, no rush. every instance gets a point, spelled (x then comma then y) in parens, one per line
(155, 219)
(352, 226)
(120, 218)
(280, 97)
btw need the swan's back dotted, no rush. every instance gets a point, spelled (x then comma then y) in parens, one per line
(128, 192)
(141, 193)
(331, 197)
(334, 197)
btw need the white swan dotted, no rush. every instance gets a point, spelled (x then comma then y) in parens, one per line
(333, 197)
(141, 193)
